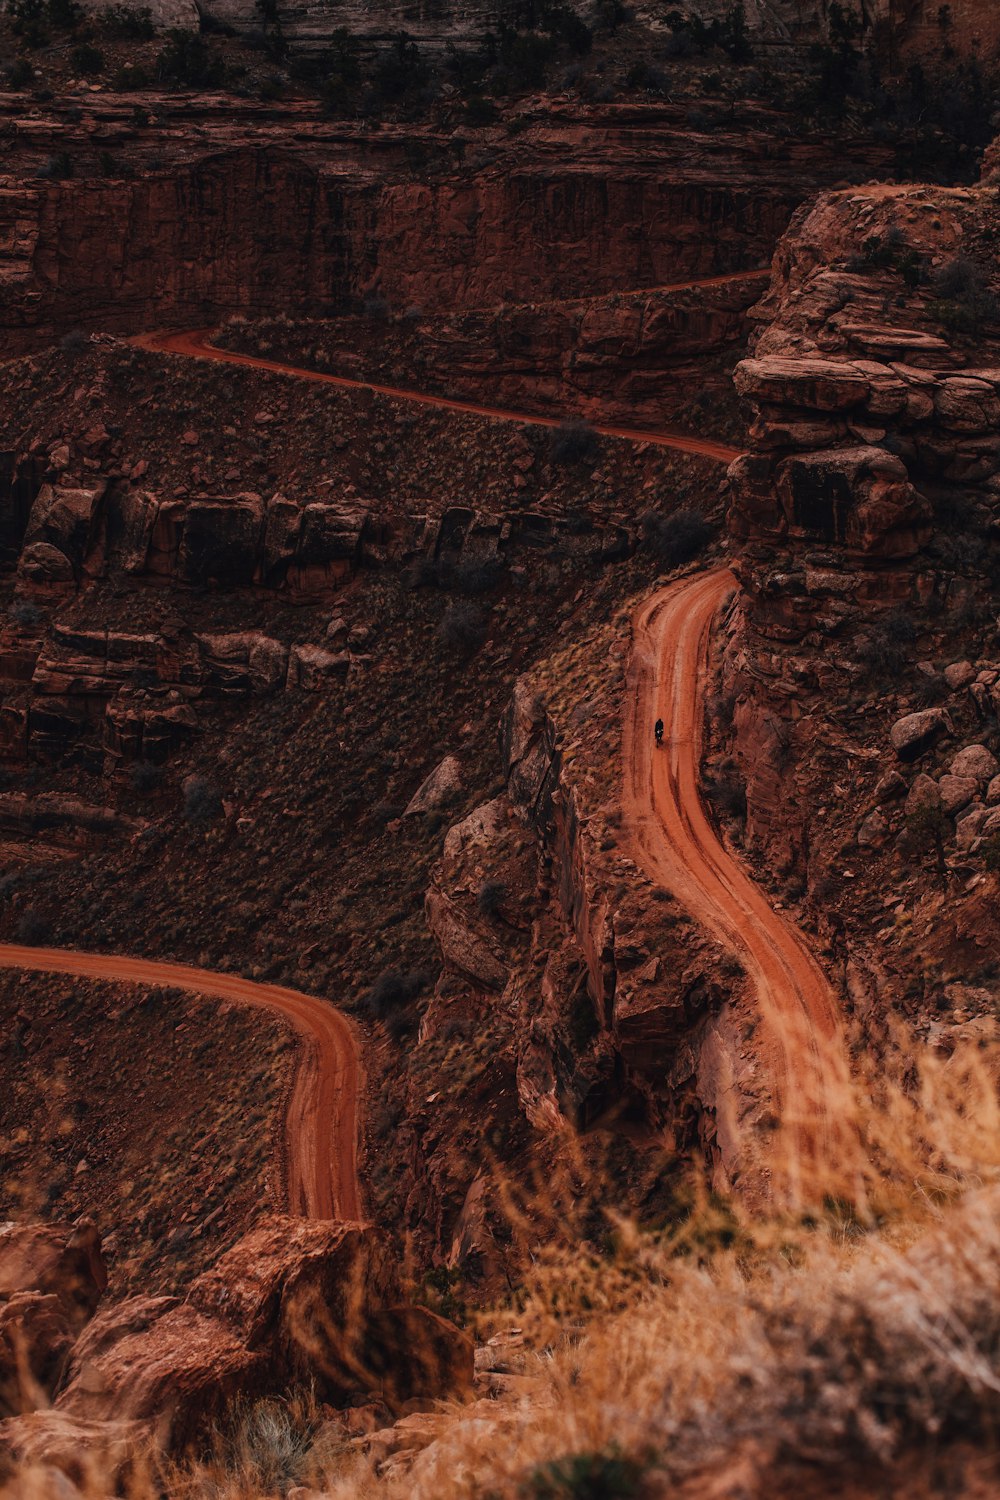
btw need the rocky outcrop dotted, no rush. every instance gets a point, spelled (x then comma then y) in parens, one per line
(640, 358)
(294, 1300)
(52, 1278)
(870, 415)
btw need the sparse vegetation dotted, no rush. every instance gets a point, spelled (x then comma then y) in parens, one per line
(202, 801)
(463, 626)
(573, 442)
(676, 539)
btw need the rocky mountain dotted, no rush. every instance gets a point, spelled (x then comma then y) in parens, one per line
(499, 752)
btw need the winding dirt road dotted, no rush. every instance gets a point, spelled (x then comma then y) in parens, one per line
(818, 1150)
(196, 344)
(674, 842)
(321, 1120)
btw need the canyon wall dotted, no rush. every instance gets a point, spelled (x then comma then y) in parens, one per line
(236, 222)
(900, 28)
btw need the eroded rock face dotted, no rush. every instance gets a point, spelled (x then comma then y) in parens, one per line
(204, 234)
(867, 422)
(52, 1278)
(293, 1300)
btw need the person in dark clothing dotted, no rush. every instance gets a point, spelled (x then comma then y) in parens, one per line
(658, 731)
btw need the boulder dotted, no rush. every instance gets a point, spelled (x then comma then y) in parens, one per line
(64, 1451)
(959, 674)
(969, 825)
(915, 733)
(176, 1369)
(993, 792)
(462, 945)
(975, 761)
(483, 828)
(66, 520)
(36, 1336)
(41, 563)
(527, 748)
(923, 793)
(290, 1301)
(63, 1260)
(438, 789)
(956, 792)
(313, 668)
(873, 831)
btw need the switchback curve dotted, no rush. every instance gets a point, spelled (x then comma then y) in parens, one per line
(817, 1152)
(321, 1121)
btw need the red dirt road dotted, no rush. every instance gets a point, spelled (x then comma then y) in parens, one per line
(818, 1147)
(196, 344)
(321, 1121)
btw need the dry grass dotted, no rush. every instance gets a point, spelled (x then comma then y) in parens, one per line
(849, 1336)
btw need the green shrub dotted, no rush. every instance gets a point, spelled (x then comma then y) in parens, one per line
(20, 74)
(677, 539)
(586, 1476)
(128, 23)
(573, 442)
(187, 62)
(87, 60)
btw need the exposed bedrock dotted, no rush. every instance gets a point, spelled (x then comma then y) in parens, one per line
(908, 27)
(609, 988)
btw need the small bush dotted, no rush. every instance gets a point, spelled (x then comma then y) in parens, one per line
(886, 651)
(965, 298)
(376, 308)
(728, 795)
(33, 927)
(202, 800)
(677, 539)
(586, 1476)
(64, 15)
(187, 62)
(573, 442)
(20, 74)
(86, 60)
(393, 989)
(145, 777)
(491, 897)
(133, 77)
(480, 112)
(477, 576)
(270, 1443)
(74, 342)
(25, 612)
(28, 20)
(463, 626)
(58, 167)
(128, 23)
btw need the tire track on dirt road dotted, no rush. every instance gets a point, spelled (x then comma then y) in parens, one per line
(818, 1149)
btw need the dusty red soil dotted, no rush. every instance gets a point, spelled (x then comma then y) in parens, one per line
(321, 1118)
(155, 1112)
